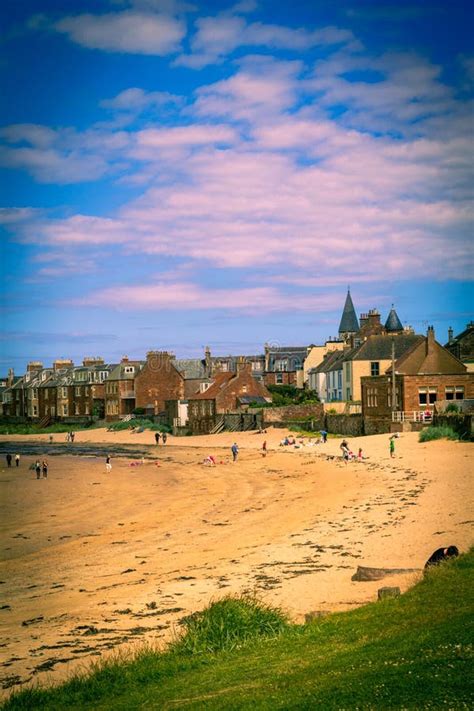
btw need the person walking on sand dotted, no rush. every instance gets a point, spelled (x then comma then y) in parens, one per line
(44, 467)
(108, 464)
(264, 449)
(324, 436)
(72, 436)
(38, 469)
(157, 437)
(164, 437)
(9, 459)
(17, 460)
(235, 452)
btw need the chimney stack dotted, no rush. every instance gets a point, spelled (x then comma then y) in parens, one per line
(60, 363)
(430, 340)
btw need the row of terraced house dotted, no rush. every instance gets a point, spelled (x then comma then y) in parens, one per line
(371, 367)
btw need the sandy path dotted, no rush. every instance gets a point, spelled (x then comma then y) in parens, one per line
(93, 561)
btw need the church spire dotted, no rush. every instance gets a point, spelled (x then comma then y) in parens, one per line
(349, 323)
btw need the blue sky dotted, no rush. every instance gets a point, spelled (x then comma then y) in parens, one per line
(176, 174)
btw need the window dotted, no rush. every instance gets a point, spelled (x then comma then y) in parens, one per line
(278, 378)
(129, 369)
(281, 365)
(77, 391)
(76, 409)
(65, 410)
(35, 410)
(64, 392)
(86, 408)
(244, 388)
(256, 365)
(375, 369)
(371, 397)
(454, 393)
(35, 393)
(427, 396)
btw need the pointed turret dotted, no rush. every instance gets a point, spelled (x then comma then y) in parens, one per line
(393, 323)
(349, 324)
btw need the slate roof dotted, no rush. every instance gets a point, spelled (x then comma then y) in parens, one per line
(349, 322)
(393, 323)
(467, 331)
(191, 368)
(327, 362)
(118, 372)
(380, 347)
(294, 354)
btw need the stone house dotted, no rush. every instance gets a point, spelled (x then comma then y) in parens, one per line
(462, 345)
(284, 365)
(372, 357)
(120, 389)
(224, 394)
(425, 374)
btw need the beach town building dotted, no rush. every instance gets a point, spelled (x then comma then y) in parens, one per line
(462, 345)
(424, 375)
(284, 365)
(120, 399)
(226, 392)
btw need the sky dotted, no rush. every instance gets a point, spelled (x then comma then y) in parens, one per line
(181, 174)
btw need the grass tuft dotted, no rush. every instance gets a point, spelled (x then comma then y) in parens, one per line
(430, 433)
(227, 624)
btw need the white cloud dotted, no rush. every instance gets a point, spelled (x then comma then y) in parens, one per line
(216, 37)
(129, 31)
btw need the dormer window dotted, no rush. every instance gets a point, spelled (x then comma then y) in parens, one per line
(129, 369)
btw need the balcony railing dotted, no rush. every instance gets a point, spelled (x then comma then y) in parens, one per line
(413, 416)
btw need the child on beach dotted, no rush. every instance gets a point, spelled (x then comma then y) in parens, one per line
(392, 446)
(38, 469)
(44, 467)
(264, 449)
(108, 465)
(359, 455)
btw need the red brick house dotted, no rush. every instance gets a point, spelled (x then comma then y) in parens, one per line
(159, 380)
(225, 394)
(424, 375)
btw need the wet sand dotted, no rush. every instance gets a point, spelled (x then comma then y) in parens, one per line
(94, 562)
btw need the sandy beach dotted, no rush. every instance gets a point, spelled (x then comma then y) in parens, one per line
(93, 562)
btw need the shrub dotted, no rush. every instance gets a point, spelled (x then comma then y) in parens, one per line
(452, 407)
(139, 422)
(139, 411)
(227, 624)
(430, 433)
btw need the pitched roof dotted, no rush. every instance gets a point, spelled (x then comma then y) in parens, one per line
(118, 372)
(220, 380)
(349, 322)
(380, 347)
(191, 368)
(393, 323)
(423, 358)
(328, 360)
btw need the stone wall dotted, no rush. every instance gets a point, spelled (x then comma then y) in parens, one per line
(351, 425)
(294, 413)
(379, 425)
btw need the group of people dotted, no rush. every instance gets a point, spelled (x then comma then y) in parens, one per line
(9, 459)
(70, 436)
(348, 455)
(161, 435)
(41, 469)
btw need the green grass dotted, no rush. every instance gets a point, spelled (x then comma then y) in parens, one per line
(413, 652)
(35, 429)
(138, 422)
(430, 433)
